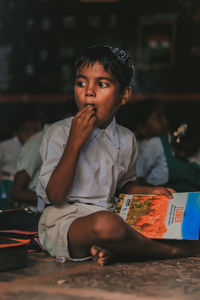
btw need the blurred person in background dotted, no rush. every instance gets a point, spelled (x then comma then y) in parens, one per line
(28, 168)
(145, 118)
(165, 160)
(28, 124)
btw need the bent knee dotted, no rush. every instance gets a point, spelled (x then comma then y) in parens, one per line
(107, 225)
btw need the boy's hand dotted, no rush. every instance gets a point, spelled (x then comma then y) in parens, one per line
(134, 188)
(82, 125)
(158, 190)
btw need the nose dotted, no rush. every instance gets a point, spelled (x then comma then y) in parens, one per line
(90, 92)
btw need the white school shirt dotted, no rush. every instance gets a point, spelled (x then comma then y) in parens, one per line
(106, 162)
(30, 161)
(152, 163)
(9, 152)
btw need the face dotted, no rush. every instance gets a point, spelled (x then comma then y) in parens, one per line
(100, 88)
(156, 124)
(28, 129)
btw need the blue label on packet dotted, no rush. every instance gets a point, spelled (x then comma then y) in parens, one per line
(191, 220)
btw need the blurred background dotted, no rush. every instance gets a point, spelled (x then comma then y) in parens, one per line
(39, 41)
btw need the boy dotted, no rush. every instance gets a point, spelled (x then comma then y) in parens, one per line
(85, 159)
(28, 169)
(164, 160)
(146, 118)
(26, 125)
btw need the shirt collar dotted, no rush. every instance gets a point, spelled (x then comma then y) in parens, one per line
(110, 131)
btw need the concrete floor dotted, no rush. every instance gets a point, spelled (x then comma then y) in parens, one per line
(43, 278)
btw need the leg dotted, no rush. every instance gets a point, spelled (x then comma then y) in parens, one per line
(104, 233)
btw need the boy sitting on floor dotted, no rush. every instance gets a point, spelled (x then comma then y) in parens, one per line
(85, 160)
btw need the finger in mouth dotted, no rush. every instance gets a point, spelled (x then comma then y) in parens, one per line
(94, 106)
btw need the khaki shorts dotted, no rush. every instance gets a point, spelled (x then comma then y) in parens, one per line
(54, 226)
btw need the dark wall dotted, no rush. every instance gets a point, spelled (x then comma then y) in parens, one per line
(39, 40)
(47, 112)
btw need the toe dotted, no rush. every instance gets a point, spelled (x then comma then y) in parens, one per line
(95, 250)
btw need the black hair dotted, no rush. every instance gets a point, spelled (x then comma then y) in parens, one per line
(143, 109)
(115, 59)
(137, 113)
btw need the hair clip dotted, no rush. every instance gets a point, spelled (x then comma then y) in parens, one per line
(180, 132)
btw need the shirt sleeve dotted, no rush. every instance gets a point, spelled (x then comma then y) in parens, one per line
(30, 158)
(130, 175)
(151, 162)
(52, 147)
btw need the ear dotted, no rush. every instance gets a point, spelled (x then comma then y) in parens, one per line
(126, 95)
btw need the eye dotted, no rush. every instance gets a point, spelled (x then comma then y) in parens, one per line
(103, 84)
(80, 83)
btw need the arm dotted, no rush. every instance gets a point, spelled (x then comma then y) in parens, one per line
(131, 185)
(20, 191)
(62, 177)
(134, 188)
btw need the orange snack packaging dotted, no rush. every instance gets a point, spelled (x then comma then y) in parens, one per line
(157, 217)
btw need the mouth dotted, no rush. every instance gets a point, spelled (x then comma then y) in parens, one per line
(94, 106)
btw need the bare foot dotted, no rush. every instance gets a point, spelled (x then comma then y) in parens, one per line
(101, 255)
